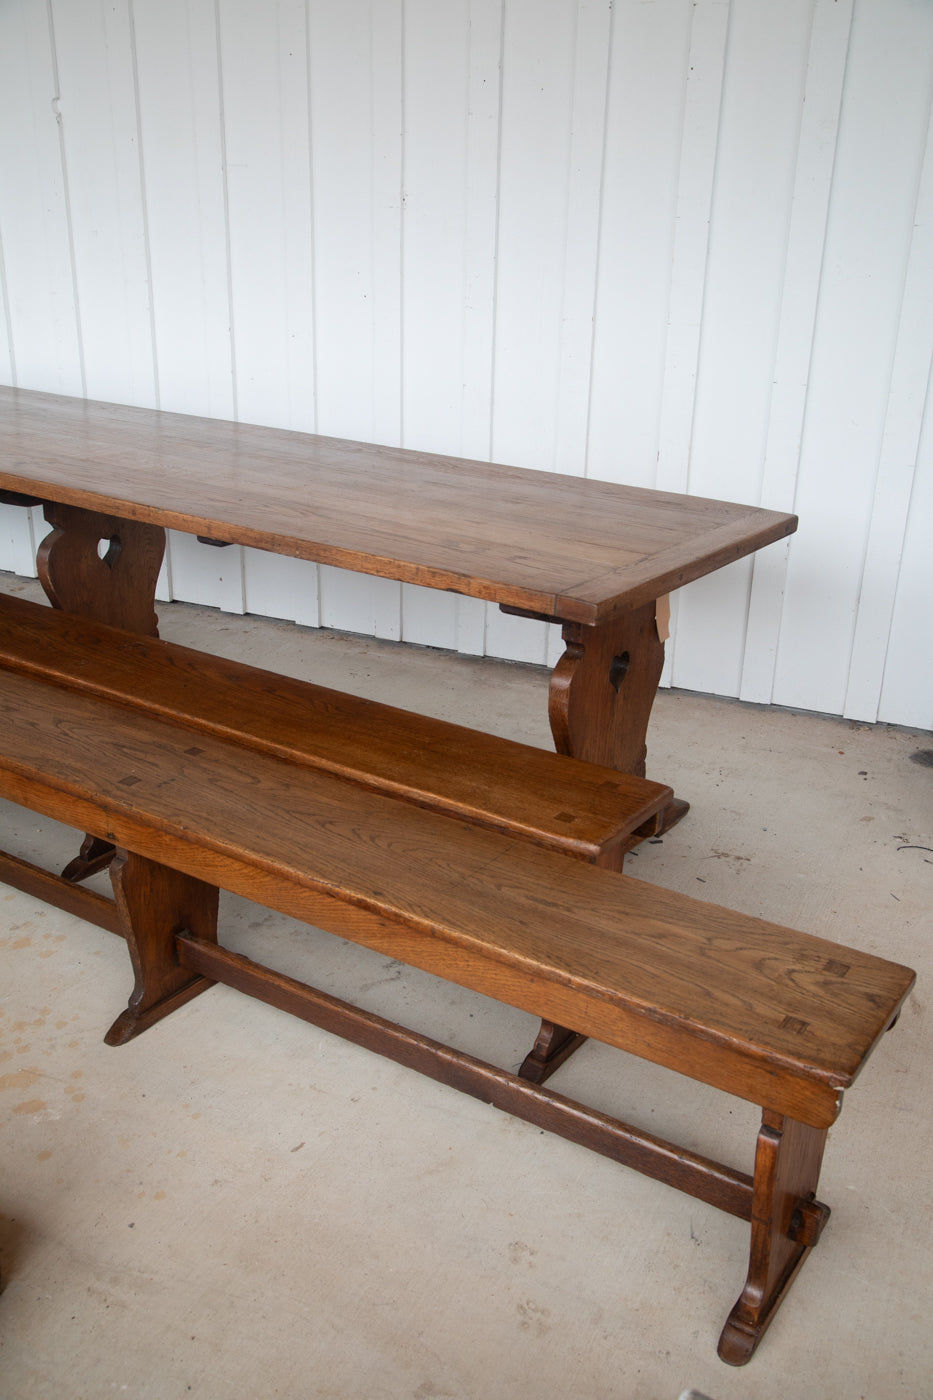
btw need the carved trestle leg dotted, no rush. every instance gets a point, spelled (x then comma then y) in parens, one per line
(787, 1221)
(154, 904)
(105, 568)
(603, 688)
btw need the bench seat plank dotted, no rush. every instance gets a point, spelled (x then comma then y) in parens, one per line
(580, 808)
(781, 1018)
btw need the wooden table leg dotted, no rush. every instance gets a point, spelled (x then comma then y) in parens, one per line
(602, 691)
(102, 567)
(787, 1221)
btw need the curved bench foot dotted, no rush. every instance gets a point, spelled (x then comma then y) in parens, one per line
(95, 855)
(787, 1221)
(154, 904)
(554, 1045)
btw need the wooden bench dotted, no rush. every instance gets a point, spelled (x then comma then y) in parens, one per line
(776, 1017)
(596, 814)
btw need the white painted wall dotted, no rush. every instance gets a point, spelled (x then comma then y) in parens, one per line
(677, 244)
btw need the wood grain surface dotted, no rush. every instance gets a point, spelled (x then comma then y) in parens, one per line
(569, 548)
(573, 806)
(766, 1013)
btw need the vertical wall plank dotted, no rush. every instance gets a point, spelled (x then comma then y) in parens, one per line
(649, 66)
(43, 339)
(699, 132)
(263, 52)
(435, 252)
(202, 573)
(907, 690)
(819, 126)
(763, 88)
(7, 368)
(588, 118)
(97, 105)
(537, 103)
(176, 47)
(897, 466)
(882, 138)
(481, 175)
(356, 172)
(555, 61)
(19, 540)
(276, 586)
(358, 603)
(515, 638)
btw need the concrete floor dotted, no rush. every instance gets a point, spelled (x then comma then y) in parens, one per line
(237, 1206)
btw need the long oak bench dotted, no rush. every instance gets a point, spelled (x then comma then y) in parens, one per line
(582, 809)
(780, 1018)
(596, 814)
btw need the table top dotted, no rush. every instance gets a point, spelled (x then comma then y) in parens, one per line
(560, 546)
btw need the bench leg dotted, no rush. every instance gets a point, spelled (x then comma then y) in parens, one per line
(553, 1046)
(154, 904)
(95, 854)
(786, 1223)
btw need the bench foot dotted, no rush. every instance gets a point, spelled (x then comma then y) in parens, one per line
(95, 855)
(155, 903)
(787, 1221)
(553, 1046)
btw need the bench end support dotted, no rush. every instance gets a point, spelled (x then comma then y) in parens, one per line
(787, 1221)
(155, 903)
